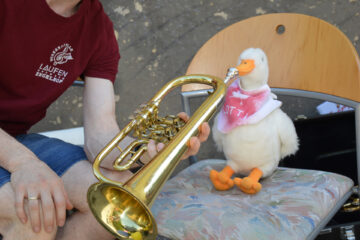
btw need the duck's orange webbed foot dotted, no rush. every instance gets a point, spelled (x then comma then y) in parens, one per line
(250, 184)
(222, 180)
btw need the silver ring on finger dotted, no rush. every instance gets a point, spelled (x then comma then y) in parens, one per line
(33, 198)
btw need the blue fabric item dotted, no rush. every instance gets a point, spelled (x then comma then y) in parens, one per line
(57, 154)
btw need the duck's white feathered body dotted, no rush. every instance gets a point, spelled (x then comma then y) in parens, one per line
(260, 145)
(251, 129)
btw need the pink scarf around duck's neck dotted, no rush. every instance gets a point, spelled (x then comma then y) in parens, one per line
(245, 107)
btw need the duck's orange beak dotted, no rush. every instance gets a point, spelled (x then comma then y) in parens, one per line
(246, 66)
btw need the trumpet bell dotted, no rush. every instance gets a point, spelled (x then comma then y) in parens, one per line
(121, 212)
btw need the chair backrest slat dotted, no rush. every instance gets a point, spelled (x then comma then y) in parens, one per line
(304, 53)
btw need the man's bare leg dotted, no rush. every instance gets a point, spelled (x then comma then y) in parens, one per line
(82, 225)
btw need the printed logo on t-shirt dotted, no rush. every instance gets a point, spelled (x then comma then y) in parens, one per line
(60, 55)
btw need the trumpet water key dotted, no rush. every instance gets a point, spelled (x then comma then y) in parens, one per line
(124, 208)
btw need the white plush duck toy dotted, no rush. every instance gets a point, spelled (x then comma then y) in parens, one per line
(251, 129)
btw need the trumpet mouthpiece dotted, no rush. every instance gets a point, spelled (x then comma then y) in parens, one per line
(232, 72)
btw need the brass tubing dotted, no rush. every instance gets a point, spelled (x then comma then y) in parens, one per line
(163, 164)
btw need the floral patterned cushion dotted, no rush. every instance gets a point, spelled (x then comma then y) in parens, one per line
(290, 205)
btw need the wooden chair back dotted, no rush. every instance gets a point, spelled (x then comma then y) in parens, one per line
(304, 53)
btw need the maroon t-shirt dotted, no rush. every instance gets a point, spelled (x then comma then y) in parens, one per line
(42, 53)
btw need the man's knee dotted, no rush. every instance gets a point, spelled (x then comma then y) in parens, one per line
(7, 202)
(10, 225)
(18, 230)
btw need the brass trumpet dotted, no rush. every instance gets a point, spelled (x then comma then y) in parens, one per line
(124, 208)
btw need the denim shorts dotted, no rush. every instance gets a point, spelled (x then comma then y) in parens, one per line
(57, 154)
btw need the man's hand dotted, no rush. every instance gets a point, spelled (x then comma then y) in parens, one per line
(45, 195)
(193, 144)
